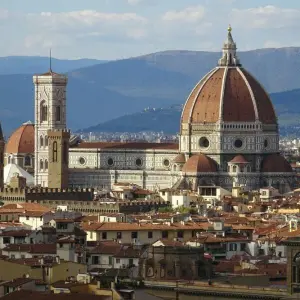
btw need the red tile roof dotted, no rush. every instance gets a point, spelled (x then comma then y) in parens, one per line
(21, 232)
(31, 248)
(239, 159)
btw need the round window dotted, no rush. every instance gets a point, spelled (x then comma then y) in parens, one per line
(81, 160)
(166, 162)
(238, 143)
(138, 162)
(204, 142)
(110, 161)
(266, 143)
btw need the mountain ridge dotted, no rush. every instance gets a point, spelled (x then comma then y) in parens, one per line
(167, 119)
(101, 92)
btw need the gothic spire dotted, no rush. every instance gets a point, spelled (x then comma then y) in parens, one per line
(229, 56)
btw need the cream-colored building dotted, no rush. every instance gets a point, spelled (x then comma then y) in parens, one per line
(141, 234)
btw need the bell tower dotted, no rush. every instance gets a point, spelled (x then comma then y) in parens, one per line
(50, 114)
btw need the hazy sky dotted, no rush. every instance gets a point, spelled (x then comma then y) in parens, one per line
(110, 29)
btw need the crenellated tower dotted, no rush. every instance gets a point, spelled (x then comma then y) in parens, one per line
(50, 114)
(58, 158)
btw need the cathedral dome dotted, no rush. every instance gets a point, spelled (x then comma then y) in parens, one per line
(275, 163)
(22, 140)
(179, 159)
(239, 159)
(199, 163)
(228, 93)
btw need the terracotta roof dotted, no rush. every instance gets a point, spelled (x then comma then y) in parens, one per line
(17, 282)
(20, 232)
(36, 214)
(118, 226)
(64, 220)
(199, 163)
(107, 247)
(51, 73)
(22, 140)
(275, 163)
(179, 159)
(129, 145)
(32, 248)
(24, 207)
(34, 262)
(239, 159)
(233, 90)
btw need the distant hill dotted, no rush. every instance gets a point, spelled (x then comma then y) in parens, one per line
(287, 105)
(162, 119)
(104, 91)
(37, 64)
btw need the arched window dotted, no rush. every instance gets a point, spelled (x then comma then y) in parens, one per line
(41, 164)
(46, 141)
(43, 111)
(9, 160)
(27, 160)
(234, 169)
(41, 141)
(46, 164)
(58, 114)
(65, 153)
(54, 151)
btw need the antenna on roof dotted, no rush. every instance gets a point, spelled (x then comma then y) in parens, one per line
(50, 61)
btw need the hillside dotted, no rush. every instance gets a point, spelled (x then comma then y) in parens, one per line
(168, 119)
(37, 64)
(102, 92)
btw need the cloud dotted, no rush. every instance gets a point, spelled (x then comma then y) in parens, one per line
(134, 2)
(266, 17)
(272, 44)
(189, 14)
(66, 29)
(142, 2)
(87, 18)
(137, 30)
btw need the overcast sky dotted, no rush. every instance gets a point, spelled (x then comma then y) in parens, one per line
(112, 29)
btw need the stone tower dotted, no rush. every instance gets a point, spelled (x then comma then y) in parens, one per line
(2, 146)
(50, 114)
(58, 146)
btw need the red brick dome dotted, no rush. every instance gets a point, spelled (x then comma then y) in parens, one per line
(179, 159)
(239, 159)
(22, 140)
(199, 163)
(228, 93)
(275, 163)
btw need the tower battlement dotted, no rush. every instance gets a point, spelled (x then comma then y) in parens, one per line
(59, 133)
(50, 77)
(10, 194)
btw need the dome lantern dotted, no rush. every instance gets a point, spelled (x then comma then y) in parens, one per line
(229, 56)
